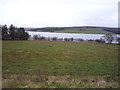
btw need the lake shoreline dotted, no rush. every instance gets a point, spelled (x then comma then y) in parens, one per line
(69, 36)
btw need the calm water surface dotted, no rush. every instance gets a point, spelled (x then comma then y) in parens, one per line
(70, 35)
(67, 35)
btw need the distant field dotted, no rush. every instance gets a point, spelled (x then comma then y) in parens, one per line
(86, 31)
(57, 61)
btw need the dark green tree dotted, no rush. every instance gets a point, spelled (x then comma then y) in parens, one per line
(5, 35)
(21, 34)
(12, 32)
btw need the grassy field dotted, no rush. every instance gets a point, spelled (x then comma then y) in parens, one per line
(85, 31)
(85, 65)
(82, 30)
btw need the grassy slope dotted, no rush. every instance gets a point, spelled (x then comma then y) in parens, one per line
(85, 31)
(59, 58)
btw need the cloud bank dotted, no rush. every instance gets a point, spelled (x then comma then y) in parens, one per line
(50, 13)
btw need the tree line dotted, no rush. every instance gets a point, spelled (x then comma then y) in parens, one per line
(13, 33)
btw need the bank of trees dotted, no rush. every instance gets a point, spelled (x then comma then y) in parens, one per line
(13, 33)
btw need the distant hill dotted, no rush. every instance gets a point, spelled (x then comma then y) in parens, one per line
(78, 29)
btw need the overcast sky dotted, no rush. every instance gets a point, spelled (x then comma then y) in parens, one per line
(49, 13)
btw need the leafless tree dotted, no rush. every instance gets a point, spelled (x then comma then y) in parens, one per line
(109, 38)
(118, 40)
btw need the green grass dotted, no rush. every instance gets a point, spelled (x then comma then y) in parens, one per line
(17, 84)
(87, 31)
(82, 31)
(59, 58)
(34, 58)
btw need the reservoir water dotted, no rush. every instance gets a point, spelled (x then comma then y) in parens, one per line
(69, 35)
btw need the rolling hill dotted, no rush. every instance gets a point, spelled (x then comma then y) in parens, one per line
(82, 29)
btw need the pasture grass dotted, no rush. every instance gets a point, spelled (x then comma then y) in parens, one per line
(33, 62)
(82, 31)
(86, 31)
